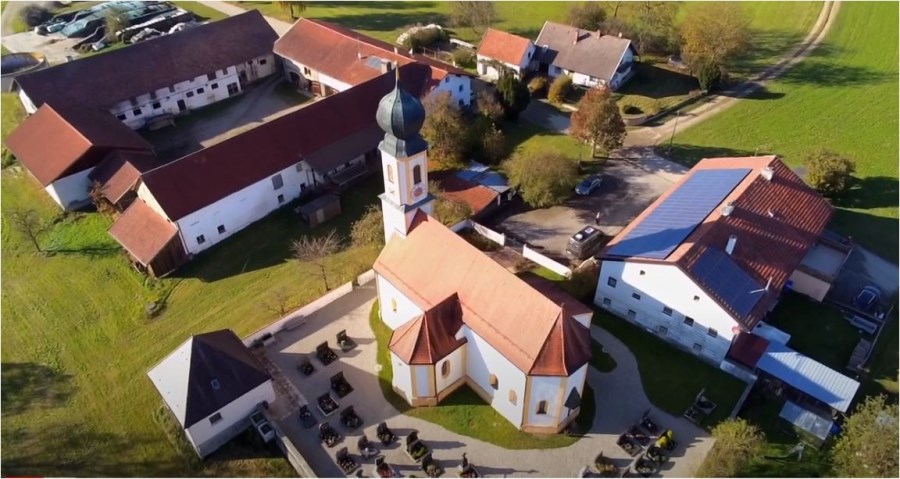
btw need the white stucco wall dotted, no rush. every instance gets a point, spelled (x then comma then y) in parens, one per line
(660, 286)
(26, 102)
(544, 388)
(459, 86)
(406, 309)
(71, 189)
(482, 361)
(402, 375)
(423, 381)
(241, 208)
(258, 68)
(584, 319)
(236, 412)
(457, 368)
(619, 77)
(144, 193)
(489, 72)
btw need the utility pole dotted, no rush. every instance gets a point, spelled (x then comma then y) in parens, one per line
(672, 139)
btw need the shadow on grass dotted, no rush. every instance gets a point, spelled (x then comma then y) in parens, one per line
(27, 386)
(877, 233)
(384, 22)
(655, 82)
(689, 155)
(870, 192)
(383, 5)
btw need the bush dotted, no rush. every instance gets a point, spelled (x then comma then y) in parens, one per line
(737, 443)
(463, 57)
(709, 75)
(34, 15)
(829, 172)
(543, 177)
(424, 37)
(559, 89)
(537, 86)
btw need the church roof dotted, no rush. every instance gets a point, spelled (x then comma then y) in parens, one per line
(535, 333)
(431, 336)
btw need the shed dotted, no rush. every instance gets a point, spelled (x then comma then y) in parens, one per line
(808, 376)
(320, 209)
(810, 425)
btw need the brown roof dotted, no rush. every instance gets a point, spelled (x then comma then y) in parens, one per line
(206, 176)
(432, 263)
(120, 171)
(457, 189)
(747, 348)
(431, 336)
(348, 56)
(503, 46)
(142, 232)
(103, 80)
(58, 141)
(593, 54)
(775, 223)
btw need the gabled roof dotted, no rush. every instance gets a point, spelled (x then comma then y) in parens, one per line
(532, 331)
(503, 46)
(56, 140)
(431, 336)
(809, 376)
(120, 171)
(206, 373)
(477, 197)
(142, 232)
(774, 222)
(103, 80)
(331, 124)
(348, 56)
(574, 49)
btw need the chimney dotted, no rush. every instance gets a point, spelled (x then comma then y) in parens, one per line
(386, 66)
(729, 248)
(767, 173)
(728, 209)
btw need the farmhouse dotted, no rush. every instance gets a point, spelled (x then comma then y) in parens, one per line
(511, 51)
(458, 318)
(324, 58)
(590, 58)
(211, 385)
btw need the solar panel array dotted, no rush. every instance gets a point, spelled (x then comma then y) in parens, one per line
(716, 271)
(671, 222)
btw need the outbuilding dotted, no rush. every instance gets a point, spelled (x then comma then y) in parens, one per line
(320, 209)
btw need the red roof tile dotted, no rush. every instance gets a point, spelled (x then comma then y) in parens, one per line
(120, 171)
(142, 232)
(431, 336)
(433, 263)
(457, 189)
(747, 348)
(503, 46)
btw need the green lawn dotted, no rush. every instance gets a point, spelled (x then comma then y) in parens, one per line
(11, 114)
(464, 412)
(845, 98)
(656, 87)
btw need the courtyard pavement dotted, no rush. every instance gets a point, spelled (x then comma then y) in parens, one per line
(619, 396)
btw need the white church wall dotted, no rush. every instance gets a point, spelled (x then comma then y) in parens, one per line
(423, 381)
(396, 308)
(206, 436)
(71, 189)
(456, 370)
(402, 376)
(576, 380)
(584, 319)
(482, 362)
(544, 388)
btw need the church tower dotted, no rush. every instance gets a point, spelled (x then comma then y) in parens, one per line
(404, 161)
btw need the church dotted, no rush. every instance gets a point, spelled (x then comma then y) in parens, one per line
(459, 318)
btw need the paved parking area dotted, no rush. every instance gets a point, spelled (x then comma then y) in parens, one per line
(863, 268)
(619, 395)
(629, 186)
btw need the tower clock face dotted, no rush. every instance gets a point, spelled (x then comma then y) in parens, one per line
(418, 191)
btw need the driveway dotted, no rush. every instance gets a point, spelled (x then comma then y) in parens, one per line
(619, 396)
(864, 268)
(629, 186)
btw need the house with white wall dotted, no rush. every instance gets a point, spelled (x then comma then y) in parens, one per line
(710, 258)
(459, 318)
(499, 48)
(212, 384)
(324, 58)
(590, 58)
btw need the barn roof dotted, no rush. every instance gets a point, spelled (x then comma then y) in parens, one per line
(142, 232)
(503, 46)
(582, 51)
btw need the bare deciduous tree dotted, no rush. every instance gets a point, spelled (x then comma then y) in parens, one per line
(31, 226)
(316, 250)
(476, 15)
(277, 303)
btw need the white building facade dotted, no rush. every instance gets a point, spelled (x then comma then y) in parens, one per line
(211, 433)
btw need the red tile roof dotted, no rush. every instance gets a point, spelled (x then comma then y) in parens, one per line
(432, 263)
(775, 223)
(59, 141)
(431, 336)
(457, 189)
(747, 348)
(503, 46)
(120, 171)
(142, 232)
(343, 54)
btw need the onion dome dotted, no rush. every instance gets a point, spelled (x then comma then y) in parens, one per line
(401, 115)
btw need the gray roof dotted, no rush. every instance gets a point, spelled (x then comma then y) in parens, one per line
(808, 376)
(593, 55)
(401, 115)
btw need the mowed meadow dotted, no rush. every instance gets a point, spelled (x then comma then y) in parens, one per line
(843, 97)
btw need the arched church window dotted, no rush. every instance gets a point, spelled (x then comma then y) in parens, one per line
(542, 407)
(493, 381)
(390, 173)
(512, 397)
(445, 369)
(417, 174)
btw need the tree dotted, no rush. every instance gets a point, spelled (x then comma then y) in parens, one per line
(489, 106)
(559, 89)
(291, 6)
(476, 15)
(598, 121)
(737, 442)
(868, 445)
(316, 251)
(369, 228)
(443, 129)
(654, 29)
(587, 16)
(115, 21)
(512, 94)
(30, 226)
(829, 172)
(543, 177)
(278, 303)
(486, 142)
(447, 210)
(709, 76)
(102, 204)
(714, 32)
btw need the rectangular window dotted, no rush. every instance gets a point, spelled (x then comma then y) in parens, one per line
(607, 302)
(189, 94)
(712, 332)
(667, 310)
(492, 379)
(232, 89)
(201, 239)
(262, 61)
(306, 71)
(611, 282)
(697, 347)
(172, 89)
(662, 330)
(631, 314)
(121, 117)
(136, 112)
(460, 103)
(215, 418)
(542, 407)
(636, 296)
(280, 199)
(642, 273)
(688, 320)
(447, 79)
(277, 182)
(460, 88)
(696, 298)
(152, 95)
(200, 91)
(221, 229)
(157, 106)
(214, 86)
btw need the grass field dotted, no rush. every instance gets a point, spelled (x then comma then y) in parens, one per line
(844, 97)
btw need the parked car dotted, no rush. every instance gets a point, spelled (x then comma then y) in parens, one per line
(584, 243)
(588, 185)
(867, 299)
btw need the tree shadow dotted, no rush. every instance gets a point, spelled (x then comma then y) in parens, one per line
(752, 91)
(27, 386)
(383, 22)
(870, 192)
(655, 82)
(832, 74)
(877, 233)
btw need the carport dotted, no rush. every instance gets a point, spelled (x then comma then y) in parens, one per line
(820, 267)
